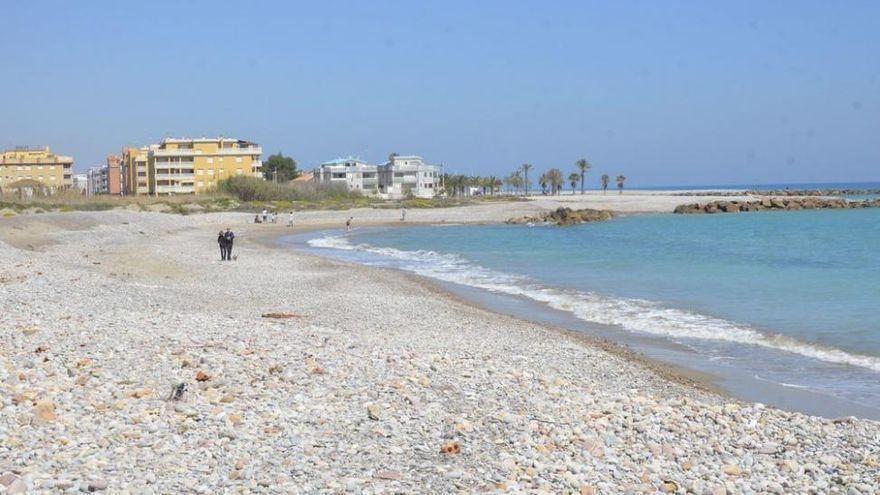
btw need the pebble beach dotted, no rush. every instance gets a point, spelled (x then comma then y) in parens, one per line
(135, 361)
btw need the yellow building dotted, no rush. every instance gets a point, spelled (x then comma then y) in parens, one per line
(35, 163)
(187, 166)
(136, 175)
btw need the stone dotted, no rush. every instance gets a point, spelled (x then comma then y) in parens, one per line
(388, 475)
(201, 376)
(373, 412)
(141, 393)
(98, 485)
(732, 470)
(44, 412)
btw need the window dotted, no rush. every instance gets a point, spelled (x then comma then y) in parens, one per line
(238, 171)
(200, 172)
(210, 171)
(238, 159)
(210, 160)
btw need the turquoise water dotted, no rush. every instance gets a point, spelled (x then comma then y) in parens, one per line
(789, 297)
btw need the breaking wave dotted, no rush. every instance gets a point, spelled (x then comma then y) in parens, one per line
(636, 315)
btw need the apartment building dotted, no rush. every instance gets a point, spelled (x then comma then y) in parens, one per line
(409, 175)
(96, 180)
(353, 173)
(400, 177)
(137, 179)
(192, 166)
(36, 163)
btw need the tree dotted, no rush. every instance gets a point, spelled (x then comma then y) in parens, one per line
(280, 168)
(543, 180)
(605, 179)
(583, 165)
(573, 178)
(554, 177)
(525, 168)
(620, 180)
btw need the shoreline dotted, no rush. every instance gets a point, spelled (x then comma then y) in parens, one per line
(669, 360)
(680, 375)
(350, 391)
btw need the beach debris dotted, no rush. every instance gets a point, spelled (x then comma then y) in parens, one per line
(201, 376)
(282, 316)
(41, 349)
(177, 392)
(450, 448)
(670, 486)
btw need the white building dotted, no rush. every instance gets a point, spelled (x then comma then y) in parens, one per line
(402, 176)
(81, 182)
(353, 173)
(398, 178)
(96, 180)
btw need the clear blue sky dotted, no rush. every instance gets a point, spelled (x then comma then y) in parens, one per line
(663, 92)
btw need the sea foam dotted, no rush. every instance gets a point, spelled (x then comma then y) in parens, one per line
(635, 315)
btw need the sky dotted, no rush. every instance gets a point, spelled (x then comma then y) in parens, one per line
(666, 93)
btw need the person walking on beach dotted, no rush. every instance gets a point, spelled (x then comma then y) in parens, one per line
(348, 224)
(221, 240)
(290, 219)
(230, 237)
(403, 214)
(265, 215)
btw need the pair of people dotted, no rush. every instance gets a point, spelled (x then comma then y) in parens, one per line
(225, 240)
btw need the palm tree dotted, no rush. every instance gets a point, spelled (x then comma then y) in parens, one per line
(516, 178)
(573, 178)
(525, 168)
(494, 184)
(604, 183)
(583, 165)
(620, 180)
(554, 177)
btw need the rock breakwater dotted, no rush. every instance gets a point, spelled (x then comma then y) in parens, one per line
(792, 203)
(565, 216)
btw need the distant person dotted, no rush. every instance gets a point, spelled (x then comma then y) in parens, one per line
(274, 217)
(257, 219)
(265, 215)
(221, 240)
(290, 219)
(230, 237)
(403, 214)
(348, 224)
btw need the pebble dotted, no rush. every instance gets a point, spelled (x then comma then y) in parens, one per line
(401, 377)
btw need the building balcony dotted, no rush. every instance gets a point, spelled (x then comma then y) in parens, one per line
(172, 176)
(218, 152)
(175, 189)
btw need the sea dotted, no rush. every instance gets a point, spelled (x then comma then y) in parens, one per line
(775, 307)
